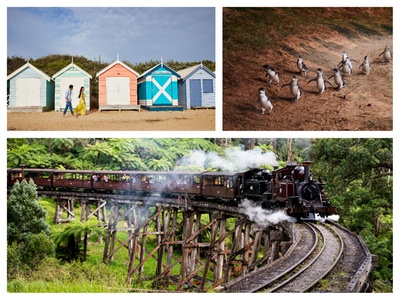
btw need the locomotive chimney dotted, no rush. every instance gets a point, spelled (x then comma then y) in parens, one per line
(306, 165)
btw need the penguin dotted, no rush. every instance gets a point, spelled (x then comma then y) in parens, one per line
(320, 81)
(338, 78)
(272, 74)
(346, 57)
(387, 55)
(263, 102)
(366, 67)
(296, 91)
(346, 66)
(301, 66)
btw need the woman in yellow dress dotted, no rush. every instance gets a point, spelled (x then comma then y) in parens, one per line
(81, 107)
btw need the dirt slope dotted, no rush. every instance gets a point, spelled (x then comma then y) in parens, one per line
(365, 103)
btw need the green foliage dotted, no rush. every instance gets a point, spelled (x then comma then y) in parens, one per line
(137, 154)
(37, 249)
(359, 180)
(25, 216)
(71, 243)
(74, 277)
(28, 242)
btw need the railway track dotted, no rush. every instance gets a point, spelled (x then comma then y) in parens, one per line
(323, 260)
(332, 259)
(305, 244)
(353, 267)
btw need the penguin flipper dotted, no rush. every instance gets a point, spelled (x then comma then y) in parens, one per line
(326, 81)
(315, 79)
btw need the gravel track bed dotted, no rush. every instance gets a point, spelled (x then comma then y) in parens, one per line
(313, 273)
(353, 257)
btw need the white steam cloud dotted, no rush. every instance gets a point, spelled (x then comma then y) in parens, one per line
(234, 159)
(263, 217)
(334, 218)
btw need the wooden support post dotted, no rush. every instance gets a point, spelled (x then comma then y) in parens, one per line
(236, 245)
(130, 223)
(195, 250)
(84, 203)
(187, 232)
(58, 212)
(70, 211)
(171, 238)
(132, 248)
(246, 241)
(111, 233)
(256, 247)
(142, 219)
(267, 244)
(210, 251)
(160, 221)
(221, 252)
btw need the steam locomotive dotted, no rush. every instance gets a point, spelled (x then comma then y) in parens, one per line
(291, 188)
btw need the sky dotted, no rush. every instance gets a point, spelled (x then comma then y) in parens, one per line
(132, 34)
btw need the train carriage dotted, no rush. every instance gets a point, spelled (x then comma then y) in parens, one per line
(71, 179)
(110, 181)
(149, 182)
(41, 177)
(225, 185)
(184, 182)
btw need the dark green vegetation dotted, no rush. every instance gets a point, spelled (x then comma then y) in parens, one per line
(51, 64)
(359, 180)
(292, 21)
(359, 173)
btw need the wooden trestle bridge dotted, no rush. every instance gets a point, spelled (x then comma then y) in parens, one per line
(201, 246)
(190, 253)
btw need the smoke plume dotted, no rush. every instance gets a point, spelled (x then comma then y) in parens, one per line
(263, 217)
(234, 159)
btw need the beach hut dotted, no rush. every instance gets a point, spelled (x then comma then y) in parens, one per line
(118, 87)
(158, 88)
(30, 89)
(196, 87)
(74, 75)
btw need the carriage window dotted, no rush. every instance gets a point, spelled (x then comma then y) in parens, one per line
(135, 178)
(220, 180)
(229, 183)
(58, 176)
(196, 179)
(15, 175)
(159, 178)
(207, 180)
(184, 179)
(148, 179)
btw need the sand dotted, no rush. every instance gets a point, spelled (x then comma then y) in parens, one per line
(187, 120)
